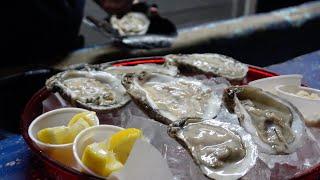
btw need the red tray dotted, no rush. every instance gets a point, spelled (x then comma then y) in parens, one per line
(59, 171)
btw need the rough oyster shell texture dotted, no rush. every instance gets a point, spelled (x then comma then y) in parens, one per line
(273, 124)
(167, 99)
(133, 23)
(210, 64)
(95, 90)
(276, 125)
(222, 150)
(150, 68)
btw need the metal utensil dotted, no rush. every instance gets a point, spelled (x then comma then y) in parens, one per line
(148, 41)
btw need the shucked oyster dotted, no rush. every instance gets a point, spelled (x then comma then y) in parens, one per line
(210, 64)
(95, 90)
(222, 150)
(150, 68)
(133, 23)
(167, 99)
(275, 124)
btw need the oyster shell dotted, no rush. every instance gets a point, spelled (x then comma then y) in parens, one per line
(167, 99)
(275, 124)
(150, 68)
(95, 90)
(133, 23)
(210, 64)
(222, 150)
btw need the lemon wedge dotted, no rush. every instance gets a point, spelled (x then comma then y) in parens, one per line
(76, 128)
(54, 135)
(104, 158)
(121, 143)
(86, 116)
(101, 161)
(66, 134)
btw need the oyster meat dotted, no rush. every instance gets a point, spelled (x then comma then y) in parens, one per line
(95, 90)
(274, 123)
(167, 99)
(133, 23)
(210, 64)
(222, 150)
(150, 68)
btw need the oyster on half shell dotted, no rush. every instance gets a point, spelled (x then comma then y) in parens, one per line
(222, 150)
(210, 64)
(150, 68)
(275, 125)
(167, 99)
(133, 23)
(95, 90)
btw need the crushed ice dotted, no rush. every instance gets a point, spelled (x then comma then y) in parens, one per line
(179, 160)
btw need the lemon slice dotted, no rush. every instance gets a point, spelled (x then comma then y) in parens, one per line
(76, 128)
(63, 134)
(121, 143)
(101, 161)
(54, 135)
(87, 116)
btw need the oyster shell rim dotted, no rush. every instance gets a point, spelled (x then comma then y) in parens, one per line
(141, 100)
(262, 146)
(195, 69)
(246, 138)
(54, 84)
(173, 70)
(116, 24)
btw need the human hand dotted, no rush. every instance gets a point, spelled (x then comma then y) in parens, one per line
(118, 7)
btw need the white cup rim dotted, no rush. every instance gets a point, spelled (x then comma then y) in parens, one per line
(298, 76)
(79, 136)
(279, 90)
(49, 113)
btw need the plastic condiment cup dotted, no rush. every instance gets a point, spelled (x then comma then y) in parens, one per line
(269, 84)
(89, 136)
(308, 107)
(59, 117)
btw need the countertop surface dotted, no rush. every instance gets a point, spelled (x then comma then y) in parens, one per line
(17, 162)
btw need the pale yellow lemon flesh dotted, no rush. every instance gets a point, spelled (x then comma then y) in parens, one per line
(121, 143)
(54, 135)
(66, 134)
(101, 161)
(104, 158)
(76, 128)
(87, 116)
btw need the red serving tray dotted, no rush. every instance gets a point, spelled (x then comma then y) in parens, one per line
(56, 170)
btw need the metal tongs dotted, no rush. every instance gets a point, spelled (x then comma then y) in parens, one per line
(148, 41)
(105, 28)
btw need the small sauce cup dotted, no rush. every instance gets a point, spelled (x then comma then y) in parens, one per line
(59, 117)
(308, 107)
(89, 136)
(269, 84)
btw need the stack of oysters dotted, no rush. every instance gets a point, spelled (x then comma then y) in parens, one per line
(170, 93)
